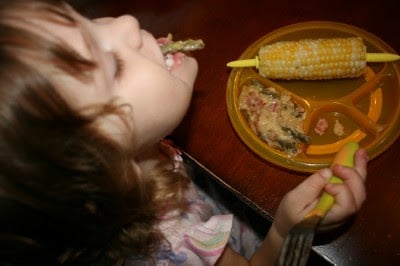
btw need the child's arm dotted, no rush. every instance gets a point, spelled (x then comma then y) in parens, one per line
(349, 198)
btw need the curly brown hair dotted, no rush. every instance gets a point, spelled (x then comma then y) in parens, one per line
(64, 197)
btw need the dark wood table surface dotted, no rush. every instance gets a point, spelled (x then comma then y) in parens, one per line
(228, 27)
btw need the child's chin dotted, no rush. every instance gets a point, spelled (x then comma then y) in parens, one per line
(186, 70)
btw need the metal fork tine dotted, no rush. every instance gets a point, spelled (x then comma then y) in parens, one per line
(291, 256)
(291, 244)
(297, 253)
(296, 247)
(306, 248)
(284, 252)
(299, 244)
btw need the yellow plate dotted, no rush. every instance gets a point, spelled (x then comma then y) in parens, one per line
(367, 107)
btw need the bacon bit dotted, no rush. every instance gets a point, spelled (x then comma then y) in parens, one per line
(321, 126)
(273, 107)
(253, 102)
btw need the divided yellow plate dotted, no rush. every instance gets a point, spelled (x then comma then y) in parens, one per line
(367, 107)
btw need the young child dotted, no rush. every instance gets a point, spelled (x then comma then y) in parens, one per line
(83, 107)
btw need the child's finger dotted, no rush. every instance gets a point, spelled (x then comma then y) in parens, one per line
(345, 202)
(360, 163)
(354, 181)
(301, 199)
(311, 187)
(304, 195)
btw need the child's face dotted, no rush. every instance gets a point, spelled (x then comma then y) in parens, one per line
(131, 69)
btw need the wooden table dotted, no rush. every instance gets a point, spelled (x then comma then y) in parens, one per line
(228, 27)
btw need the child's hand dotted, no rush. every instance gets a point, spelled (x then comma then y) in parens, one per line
(349, 196)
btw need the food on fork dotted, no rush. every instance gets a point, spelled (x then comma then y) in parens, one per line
(314, 59)
(273, 117)
(168, 46)
(173, 51)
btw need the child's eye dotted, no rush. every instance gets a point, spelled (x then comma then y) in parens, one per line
(119, 65)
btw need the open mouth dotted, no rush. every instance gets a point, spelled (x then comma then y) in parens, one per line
(174, 60)
(173, 51)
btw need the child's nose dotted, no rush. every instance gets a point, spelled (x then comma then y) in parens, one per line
(128, 28)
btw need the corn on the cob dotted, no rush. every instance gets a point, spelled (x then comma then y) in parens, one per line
(313, 59)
